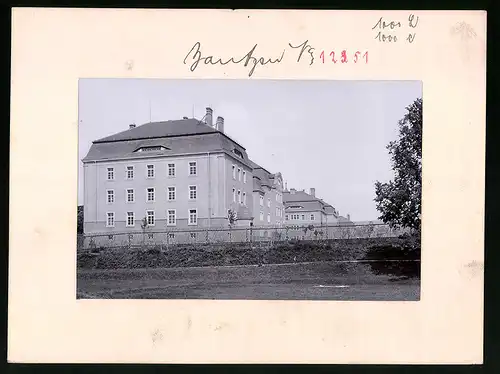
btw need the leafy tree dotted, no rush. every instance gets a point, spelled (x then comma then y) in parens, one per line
(79, 224)
(231, 218)
(399, 200)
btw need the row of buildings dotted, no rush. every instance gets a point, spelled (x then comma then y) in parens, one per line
(188, 173)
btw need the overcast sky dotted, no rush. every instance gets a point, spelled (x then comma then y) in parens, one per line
(331, 135)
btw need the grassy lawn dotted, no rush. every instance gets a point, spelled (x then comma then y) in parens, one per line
(313, 281)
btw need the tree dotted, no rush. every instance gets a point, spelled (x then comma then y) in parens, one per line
(231, 218)
(399, 200)
(79, 224)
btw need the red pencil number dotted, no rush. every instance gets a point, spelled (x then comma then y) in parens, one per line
(344, 56)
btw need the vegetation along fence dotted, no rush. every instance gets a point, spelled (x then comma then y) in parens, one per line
(265, 235)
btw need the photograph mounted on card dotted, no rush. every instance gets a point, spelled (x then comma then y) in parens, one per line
(273, 180)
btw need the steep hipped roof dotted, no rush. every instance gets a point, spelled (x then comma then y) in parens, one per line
(178, 137)
(161, 129)
(306, 201)
(261, 177)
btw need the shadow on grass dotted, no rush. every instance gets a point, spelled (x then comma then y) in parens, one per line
(402, 262)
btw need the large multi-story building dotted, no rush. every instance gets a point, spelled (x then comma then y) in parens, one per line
(181, 173)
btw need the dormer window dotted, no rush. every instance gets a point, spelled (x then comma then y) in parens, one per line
(155, 148)
(295, 207)
(238, 153)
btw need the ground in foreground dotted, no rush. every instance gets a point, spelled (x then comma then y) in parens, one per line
(305, 281)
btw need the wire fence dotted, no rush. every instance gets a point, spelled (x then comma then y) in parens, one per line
(268, 235)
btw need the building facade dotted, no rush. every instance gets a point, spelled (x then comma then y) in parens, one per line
(303, 209)
(182, 174)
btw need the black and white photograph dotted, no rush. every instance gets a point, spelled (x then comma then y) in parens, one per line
(249, 189)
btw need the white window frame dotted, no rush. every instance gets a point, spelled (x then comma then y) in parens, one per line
(244, 198)
(107, 219)
(312, 217)
(127, 221)
(126, 195)
(168, 169)
(147, 218)
(234, 172)
(239, 196)
(168, 217)
(189, 217)
(127, 171)
(239, 174)
(147, 194)
(261, 216)
(195, 168)
(107, 196)
(261, 200)
(112, 171)
(268, 217)
(147, 171)
(303, 217)
(234, 195)
(174, 191)
(195, 192)
(268, 202)
(286, 217)
(244, 176)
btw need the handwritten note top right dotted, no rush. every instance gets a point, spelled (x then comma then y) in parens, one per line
(392, 31)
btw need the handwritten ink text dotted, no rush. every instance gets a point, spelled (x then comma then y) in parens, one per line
(196, 56)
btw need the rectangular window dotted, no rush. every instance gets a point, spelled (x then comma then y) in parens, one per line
(130, 172)
(244, 176)
(268, 217)
(312, 217)
(268, 202)
(171, 193)
(111, 174)
(303, 217)
(110, 196)
(286, 217)
(239, 174)
(171, 235)
(261, 200)
(130, 195)
(244, 198)
(193, 216)
(151, 171)
(239, 196)
(261, 216)
(151, 194)
(171, 217)
(150, 214)
(192, 235)
(276, 212)
(110, 219)
(234, 172)
(234, 195)
(171, 170)
(130, 219)
(192, 168)
(192, 192)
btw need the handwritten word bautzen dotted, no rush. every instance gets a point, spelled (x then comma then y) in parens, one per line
(300, 52)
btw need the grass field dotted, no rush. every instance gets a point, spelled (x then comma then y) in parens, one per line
(301, 281)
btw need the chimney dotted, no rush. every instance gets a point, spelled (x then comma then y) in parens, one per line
(286, 186)
(313, 192)
(208, 117)
(293, 190)
(219, 125)
(131, 126)
(348, 217)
